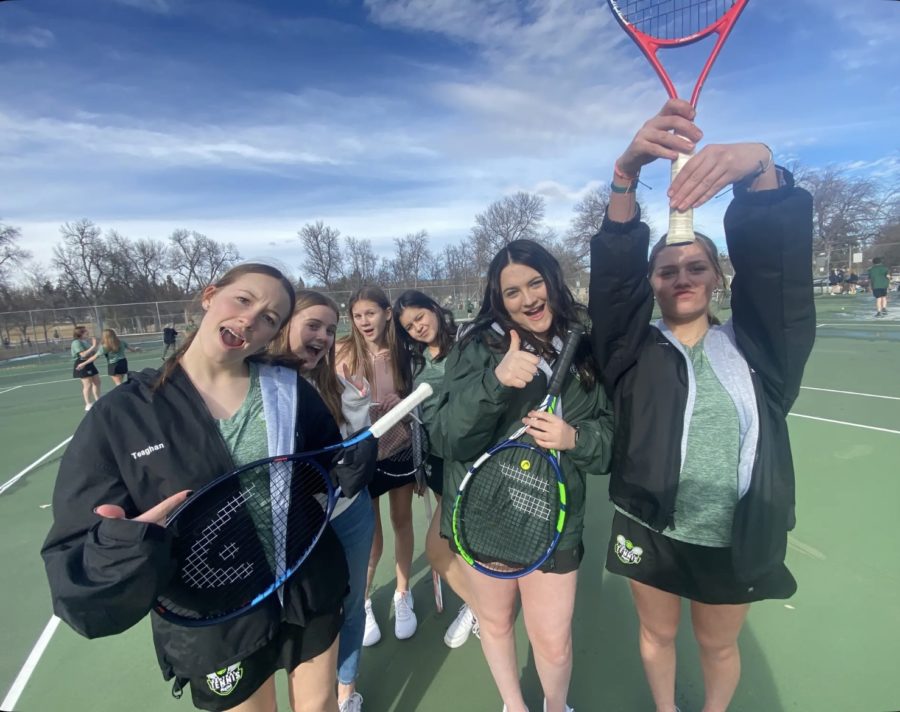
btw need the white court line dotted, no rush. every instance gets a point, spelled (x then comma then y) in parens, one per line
(844, 422)
(42, 383)
(9, 483)
(849, 393)
(18, 686)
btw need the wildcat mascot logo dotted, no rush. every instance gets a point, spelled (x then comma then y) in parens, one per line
(627, 552)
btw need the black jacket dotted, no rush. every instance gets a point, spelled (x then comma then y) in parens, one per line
(769, 236)
(134, 448)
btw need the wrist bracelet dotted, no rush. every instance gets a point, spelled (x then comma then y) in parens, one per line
(763, 167)
(630, 188)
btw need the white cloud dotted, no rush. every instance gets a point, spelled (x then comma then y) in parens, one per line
(37, 37)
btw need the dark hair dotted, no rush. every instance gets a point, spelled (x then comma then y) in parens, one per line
(353, 348)
(323, 376)
(446, 327)
(78, 332)
(230, 277)
(876, 260)
(710, 250)
(566, 311)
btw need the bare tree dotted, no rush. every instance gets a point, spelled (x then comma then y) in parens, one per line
(323, 253)
(412, 254)
(848, 211)
(197, 261)
(82, 260)
(514, 217)
(362, 264)
(460, 264)
(11, 254)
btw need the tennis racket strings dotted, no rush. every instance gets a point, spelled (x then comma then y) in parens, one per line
(672, 19)
(234, 544)
(515, 488)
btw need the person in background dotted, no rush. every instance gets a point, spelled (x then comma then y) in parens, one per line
(114, 349)
(83, 367)
(880, 281)
(169, 338)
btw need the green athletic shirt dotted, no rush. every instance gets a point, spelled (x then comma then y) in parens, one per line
(708, 485)
(433, 374)
(77, 347)
(114, 356)
(878, 276)
(245, 432)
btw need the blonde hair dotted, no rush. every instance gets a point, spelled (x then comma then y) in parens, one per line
(110, 341)
(323, 376)
(353, 350)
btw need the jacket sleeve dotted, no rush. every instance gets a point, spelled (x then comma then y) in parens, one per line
(355, 406)
(593, 450)
(475, 402)
(620, 299)
(104, 574)
(769, 236)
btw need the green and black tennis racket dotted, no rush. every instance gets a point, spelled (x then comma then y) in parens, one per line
(510, 509)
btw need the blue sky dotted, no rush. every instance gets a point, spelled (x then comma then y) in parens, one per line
(245, 119)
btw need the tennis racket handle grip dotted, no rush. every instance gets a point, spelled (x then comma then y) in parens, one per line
(681, 225)
(401, 410)
(561, 368)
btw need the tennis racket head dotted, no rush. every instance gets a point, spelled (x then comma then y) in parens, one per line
(241, 537)
(655, 24)
(673, 23)
(510, 510)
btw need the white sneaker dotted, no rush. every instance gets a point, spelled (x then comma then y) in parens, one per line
(462, 626)
(87, 407)
(372, 633)
(352, 703)
(405, 622)
(568, 709)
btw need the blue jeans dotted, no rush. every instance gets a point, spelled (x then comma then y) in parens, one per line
(355, 527)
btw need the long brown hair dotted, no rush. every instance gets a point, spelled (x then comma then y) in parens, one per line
(353, 350)
(230, 277)
(323, 376)
(712, 254)
(566, 311)
(110, 341)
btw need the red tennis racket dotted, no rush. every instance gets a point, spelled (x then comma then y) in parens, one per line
(655, 24)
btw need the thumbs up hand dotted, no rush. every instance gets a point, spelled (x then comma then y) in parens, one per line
(518, 368)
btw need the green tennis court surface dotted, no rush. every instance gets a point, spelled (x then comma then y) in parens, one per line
(834, 647)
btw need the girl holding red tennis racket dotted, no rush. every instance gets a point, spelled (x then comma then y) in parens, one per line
(703, 512)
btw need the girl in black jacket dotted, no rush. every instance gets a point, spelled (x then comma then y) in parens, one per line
(136, 457)
(702, 477)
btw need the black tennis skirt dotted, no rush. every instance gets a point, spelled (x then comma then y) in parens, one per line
(700, 573)
(86, 372)
(119, 368)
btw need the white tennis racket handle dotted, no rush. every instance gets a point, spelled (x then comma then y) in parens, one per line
(401, 410)
(681, 225)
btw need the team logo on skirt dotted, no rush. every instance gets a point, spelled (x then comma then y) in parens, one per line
(627, 552)
(223, 682)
